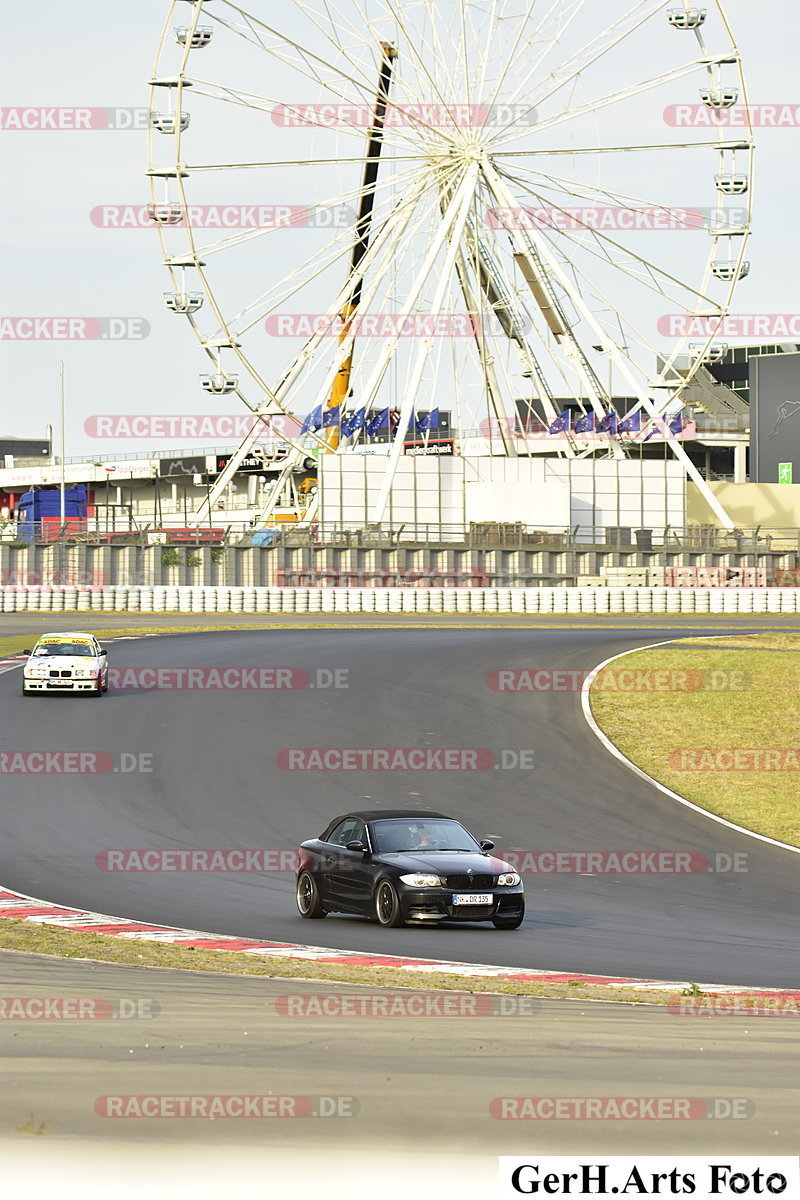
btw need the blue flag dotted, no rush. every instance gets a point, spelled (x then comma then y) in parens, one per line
(377, 421)
(331, 416)
(357, 421)
(676, 424)
(427, 421)
(313, 420)
(608, 424)
(631, 424)
(561, 423)
(585, 424)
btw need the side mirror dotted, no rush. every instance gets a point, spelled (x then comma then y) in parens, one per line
(357, 847)
(103, 653)
(26, 652)
(487, 845)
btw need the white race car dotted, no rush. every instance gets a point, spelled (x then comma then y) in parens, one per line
(66, 662)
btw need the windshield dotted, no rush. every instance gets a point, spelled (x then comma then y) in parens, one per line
(397, 836)
(64, 649)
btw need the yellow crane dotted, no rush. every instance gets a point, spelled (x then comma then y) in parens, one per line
(341, 384)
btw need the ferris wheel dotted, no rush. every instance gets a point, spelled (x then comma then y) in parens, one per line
(484, 207)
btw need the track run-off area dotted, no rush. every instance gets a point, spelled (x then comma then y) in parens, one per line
(208, 768)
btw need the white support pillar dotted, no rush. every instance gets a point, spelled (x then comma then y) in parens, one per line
(740, 462)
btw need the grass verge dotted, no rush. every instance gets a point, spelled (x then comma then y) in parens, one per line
(16, 643)
(748, 699)
(31, 938)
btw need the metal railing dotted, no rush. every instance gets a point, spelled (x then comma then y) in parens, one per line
(132, 528)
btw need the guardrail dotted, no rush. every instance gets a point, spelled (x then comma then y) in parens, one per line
(402, 600)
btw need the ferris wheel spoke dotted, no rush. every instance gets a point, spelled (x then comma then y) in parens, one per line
(307, 273)
(591, 106)
(736, 145)
(340, 244)
(394, 131)
(610, 244)
(311, 62)
(634, 14)
(588, 192)
(556, 7)
(615, 34)
(420, 65)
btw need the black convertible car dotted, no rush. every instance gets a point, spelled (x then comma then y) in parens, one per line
(402, 866)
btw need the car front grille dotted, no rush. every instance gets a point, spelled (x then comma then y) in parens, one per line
(467, 911)
(61, 674)
(470, 883)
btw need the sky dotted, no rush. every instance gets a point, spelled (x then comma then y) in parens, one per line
(57, 263)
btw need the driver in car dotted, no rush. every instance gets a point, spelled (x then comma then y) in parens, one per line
(420, 838)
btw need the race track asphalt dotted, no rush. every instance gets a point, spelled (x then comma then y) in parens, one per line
(215, 783)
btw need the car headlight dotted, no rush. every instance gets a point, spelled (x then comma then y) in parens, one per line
(421, 880)
(510, 879)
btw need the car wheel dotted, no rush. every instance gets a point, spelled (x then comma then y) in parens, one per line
(510, 922)
(309, 904)
(387, 906)
(98, 691)
(26, 692)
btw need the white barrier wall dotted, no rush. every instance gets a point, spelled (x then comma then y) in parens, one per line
(402, 600)
(640, 494)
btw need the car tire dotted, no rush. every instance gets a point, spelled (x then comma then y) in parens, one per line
(98, 691)
(511, 922)
(309, 902)
(26, 692)
(387, 906)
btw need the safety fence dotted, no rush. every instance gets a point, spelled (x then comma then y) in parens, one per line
(402, 600)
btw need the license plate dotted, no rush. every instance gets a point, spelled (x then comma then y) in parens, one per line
(473, 898)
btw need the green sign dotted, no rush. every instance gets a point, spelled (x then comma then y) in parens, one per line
(784, 472)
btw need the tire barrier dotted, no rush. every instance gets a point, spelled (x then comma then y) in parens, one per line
(497, 601)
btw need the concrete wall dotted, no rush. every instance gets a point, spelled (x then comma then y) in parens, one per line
(770, 505)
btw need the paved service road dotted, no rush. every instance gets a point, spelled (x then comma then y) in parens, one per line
(216, 783)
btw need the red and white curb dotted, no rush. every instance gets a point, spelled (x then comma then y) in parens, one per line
(26, 908)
